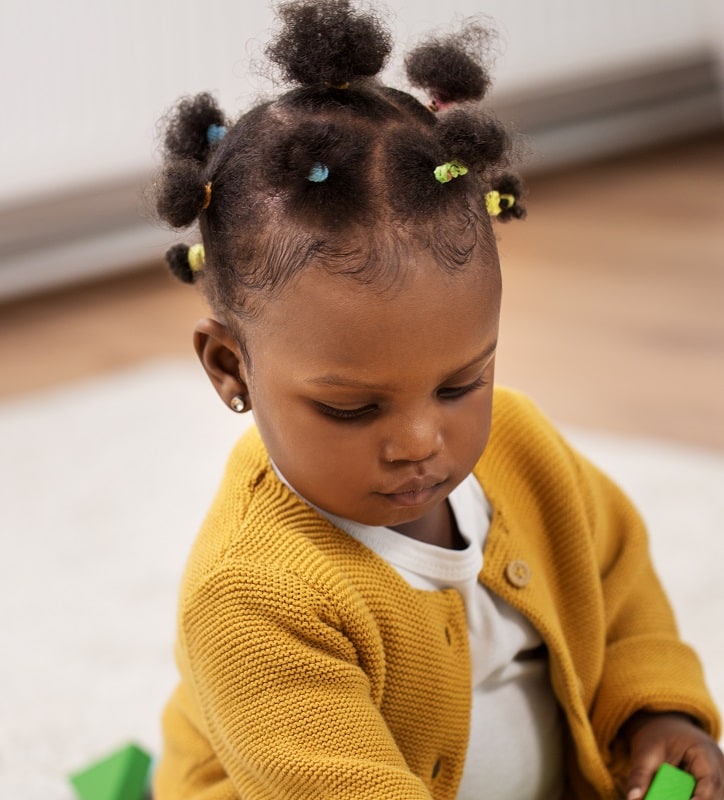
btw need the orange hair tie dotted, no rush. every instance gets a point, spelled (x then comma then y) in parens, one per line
(207, 196)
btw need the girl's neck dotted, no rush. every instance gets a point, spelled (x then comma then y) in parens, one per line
(437, 527)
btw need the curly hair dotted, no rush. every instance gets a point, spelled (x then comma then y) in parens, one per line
(340, 169)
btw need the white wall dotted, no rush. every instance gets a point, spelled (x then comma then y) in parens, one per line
(84, 81)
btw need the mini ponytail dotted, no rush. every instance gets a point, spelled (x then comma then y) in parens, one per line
(449, 69)
(185, 262)
(194, 130)
(326, 43)
(510, 185)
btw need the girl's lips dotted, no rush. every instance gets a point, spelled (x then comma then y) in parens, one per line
(410, 499)
(415, 493)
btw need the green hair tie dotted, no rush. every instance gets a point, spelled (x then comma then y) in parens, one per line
(449, 170)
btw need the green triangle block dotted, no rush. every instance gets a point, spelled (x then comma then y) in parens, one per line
(123, 775)
(671, 783)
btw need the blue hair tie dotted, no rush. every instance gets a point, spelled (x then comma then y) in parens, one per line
(318, 173)
(215, 133)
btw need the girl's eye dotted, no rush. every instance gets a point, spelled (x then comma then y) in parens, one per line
(345, 413)
(453, 392)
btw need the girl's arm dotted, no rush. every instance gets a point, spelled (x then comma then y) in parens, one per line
(288, 705)
(615, 647)
(648, 670)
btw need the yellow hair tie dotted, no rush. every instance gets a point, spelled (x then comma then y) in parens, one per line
(494, 199)
(196, 258)
(344, 85)
(207, 196)
(449, 170)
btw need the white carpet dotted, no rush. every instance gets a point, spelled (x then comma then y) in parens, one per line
(103, 487)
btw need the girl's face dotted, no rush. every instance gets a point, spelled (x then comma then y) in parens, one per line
(374, 406)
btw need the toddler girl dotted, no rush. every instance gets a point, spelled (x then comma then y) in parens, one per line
(408, 586)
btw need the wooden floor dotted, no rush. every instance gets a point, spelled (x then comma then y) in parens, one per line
(613, 311)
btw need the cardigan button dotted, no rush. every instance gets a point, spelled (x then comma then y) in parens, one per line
(518, 574)
(436, 768)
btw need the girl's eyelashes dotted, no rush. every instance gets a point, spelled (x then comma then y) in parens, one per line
(453, 392)
(345, 413)
(366, 411)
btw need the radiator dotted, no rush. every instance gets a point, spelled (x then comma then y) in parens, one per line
(90, 78)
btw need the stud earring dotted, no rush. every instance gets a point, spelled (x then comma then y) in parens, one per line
(238, 404)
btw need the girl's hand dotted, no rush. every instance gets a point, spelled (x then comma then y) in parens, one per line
(674, 738)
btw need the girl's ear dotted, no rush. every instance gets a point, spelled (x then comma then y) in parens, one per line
(220, 354)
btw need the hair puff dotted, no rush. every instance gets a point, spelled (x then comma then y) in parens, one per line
(181, 193)
(412, 161)
(187, 128)
(341, 196)
(473, 137)
(510, 184)
(451, 68)
(177, 258)
(328, 42)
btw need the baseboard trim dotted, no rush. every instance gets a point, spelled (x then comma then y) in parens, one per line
(598, 116)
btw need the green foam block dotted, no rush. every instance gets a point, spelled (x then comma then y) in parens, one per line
(671, 783)
(123, 775)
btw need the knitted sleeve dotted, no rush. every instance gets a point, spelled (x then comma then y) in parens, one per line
(646, 665)
(289, 687)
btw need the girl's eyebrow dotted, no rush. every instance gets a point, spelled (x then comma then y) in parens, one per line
(352, 383)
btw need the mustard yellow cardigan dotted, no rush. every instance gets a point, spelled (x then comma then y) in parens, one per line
(311, 669)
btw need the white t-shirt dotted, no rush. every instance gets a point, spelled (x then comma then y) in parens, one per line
(515, 745)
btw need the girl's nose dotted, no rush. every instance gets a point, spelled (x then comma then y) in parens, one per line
(413, 440)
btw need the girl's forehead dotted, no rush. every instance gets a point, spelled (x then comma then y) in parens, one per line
(337, 321)
(416, 280)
